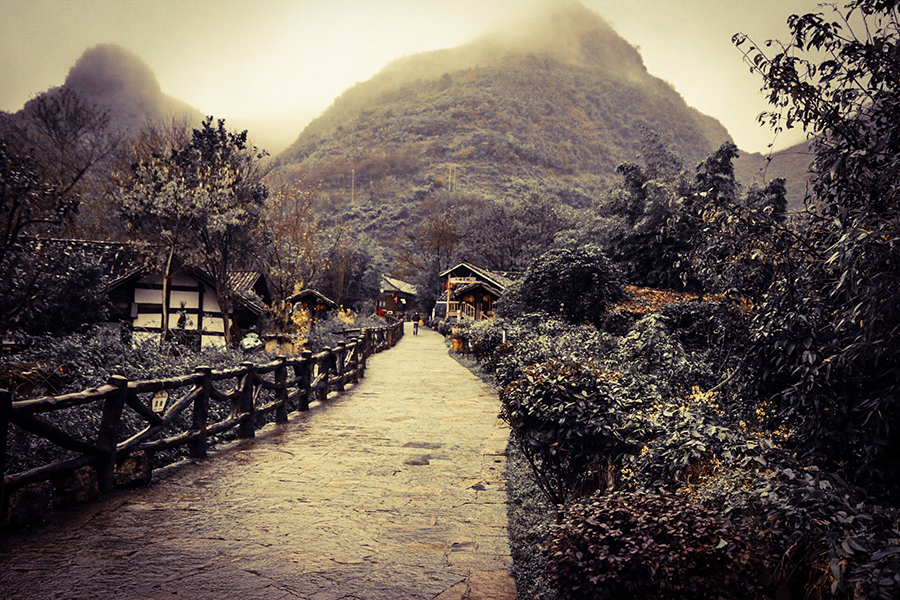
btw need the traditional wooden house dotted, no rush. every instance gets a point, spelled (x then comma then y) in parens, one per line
(471, 292)
(194, 313)
(396, 297)
(135, 292)
(317, 305)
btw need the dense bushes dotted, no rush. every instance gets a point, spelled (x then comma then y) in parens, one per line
(632, 416)
(649, 546)
(568, 422)
(575, 284)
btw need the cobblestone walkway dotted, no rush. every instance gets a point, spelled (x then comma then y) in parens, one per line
(394, 490)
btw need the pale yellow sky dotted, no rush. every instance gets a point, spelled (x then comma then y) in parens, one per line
(248, 58)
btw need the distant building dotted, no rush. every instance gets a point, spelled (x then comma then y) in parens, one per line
(471, 292)
(396, 297)
(317, 305)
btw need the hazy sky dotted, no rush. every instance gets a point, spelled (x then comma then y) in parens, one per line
(246, 58)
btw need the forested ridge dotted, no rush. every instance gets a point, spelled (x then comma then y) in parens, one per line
(507, 113)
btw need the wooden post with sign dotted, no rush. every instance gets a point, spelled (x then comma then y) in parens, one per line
(197, 446)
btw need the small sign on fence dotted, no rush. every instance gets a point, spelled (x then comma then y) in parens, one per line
(159, 401)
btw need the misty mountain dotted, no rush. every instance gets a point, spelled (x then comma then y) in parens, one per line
(556, 103)
(120, 82)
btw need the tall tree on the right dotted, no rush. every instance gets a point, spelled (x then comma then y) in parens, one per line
(827, 332)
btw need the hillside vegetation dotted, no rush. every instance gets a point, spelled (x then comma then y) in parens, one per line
(557, 104)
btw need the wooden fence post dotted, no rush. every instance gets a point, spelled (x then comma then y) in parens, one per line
(304, 372)
(340, 355)
(324, 363)
(108, 435)
(281, 393)
(365, 351)
(247, 429)
(197, 446)
(5, 415)
(353, 364)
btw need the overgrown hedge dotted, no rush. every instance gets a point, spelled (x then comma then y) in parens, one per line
(686, 471)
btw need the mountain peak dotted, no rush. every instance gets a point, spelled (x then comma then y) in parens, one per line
(108, 70)
(569, 31)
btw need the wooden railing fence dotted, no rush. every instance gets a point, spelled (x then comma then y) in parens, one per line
(312, 377)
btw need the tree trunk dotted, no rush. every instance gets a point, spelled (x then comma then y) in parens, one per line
(167, 275)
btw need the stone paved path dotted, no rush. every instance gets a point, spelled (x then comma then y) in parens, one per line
(394, 490)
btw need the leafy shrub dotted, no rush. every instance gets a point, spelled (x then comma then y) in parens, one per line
(648, 546)
(575, 284)
(830, 538)
(567, 419)
(53, 290)
(537, 338)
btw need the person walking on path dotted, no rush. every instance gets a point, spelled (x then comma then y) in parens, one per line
(416, 324)
(393, 489)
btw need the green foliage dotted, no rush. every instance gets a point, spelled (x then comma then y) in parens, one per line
(648, 546)
(508, 237)
(567, 420)
(353, 275)
(827, 332)
(46, 155)
(53, 289)
(200, 200)
(538, 338)
(574, 283)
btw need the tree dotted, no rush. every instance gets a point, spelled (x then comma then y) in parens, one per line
(507, 237)
(828, 332)
(647, 223)
(574, 283)
(202, 202)
(295, 257)
(353, 273)
(46, 154)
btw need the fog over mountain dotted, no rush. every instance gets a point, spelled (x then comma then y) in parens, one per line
(553, 101)
(118, 80)
(559, 100)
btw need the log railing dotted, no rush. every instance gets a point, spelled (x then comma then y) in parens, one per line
(279, 386)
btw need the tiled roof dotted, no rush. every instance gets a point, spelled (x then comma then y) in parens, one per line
(498, 278)
(308, 294)
(390, 284)
(244, 284)
(461, 290)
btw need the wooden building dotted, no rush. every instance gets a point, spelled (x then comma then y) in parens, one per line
(317, 305)
(396, 298)
(135, 292)
(471, 292)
